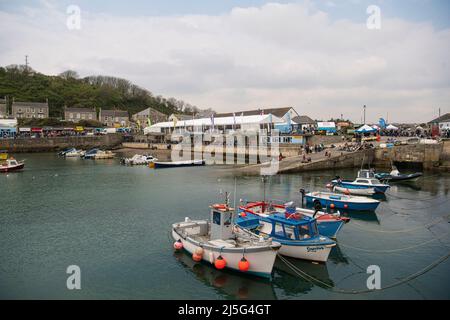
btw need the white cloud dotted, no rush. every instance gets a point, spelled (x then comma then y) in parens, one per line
(274, 55)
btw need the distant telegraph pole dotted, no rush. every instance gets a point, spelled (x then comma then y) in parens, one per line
(26, 62)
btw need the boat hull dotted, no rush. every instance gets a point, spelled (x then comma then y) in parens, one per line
(352, 185)
(401, 177)
(12, 168)
(160, 165)
(261, 259)
(348, 205)
(318, 253)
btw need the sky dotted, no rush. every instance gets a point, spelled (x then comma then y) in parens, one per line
(317, 56)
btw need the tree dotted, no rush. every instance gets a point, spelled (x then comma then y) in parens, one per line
(69, 74)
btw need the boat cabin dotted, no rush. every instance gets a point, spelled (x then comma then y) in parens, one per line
(288, 229)
(221, 222)
(367, 181)
(367, 174)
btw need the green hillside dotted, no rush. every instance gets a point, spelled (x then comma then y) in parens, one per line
(67, 89)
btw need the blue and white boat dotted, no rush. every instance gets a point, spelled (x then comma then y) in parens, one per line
(299, 238)
(365, 180)
(329, 224)
(341, 201)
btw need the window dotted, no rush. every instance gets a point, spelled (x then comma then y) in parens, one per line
(216, 217)
(71, 115)
(90, 116)
(78, 116)
(304, 231)
(362, 181)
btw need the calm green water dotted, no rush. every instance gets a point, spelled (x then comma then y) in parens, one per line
(114, 222)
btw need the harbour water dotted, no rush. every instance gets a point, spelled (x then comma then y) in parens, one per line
(113, 222)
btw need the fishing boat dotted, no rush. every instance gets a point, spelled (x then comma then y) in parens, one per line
(341, 201)
(98, 154)
(138, 159)
(11, 164)
(64, 151)
(329, 224)
(365, 180)
(219, 242)
(175, 164)
(73, 153)
(299, 238)
(395, 176)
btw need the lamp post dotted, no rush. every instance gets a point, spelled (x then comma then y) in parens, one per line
(364, 114)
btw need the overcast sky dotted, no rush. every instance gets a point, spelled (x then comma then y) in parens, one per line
(317, 56)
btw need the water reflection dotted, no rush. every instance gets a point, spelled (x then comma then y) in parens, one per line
(287, 278)
(230, 284)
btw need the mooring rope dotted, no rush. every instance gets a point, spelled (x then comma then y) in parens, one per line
(358, 226)
(420, 208)
(392, 250)
(329, 287)
(411, 199)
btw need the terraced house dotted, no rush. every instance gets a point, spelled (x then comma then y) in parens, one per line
(30, 109)
(114, 118)
(77, 114)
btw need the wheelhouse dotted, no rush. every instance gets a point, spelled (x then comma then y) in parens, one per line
(293, 229)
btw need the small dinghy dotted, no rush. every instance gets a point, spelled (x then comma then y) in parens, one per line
(175, 164)
(11, 164)
(395, 176)
(225, 245)
(299, 238)
(340, 201)
(356, 192)
(138, 159)
(329, 224)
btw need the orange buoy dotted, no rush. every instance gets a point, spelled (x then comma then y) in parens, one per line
(178, 245)
(196, 257)
(332, 206)
(243, 214)
(244, 265)
(220, 263)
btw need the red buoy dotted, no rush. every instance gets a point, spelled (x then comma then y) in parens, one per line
(178, 245)
(332, 206)
(244, 265)
(220, 263)
(243, 214)
(345, 206)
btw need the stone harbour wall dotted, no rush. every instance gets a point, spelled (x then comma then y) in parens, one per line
(107, 141)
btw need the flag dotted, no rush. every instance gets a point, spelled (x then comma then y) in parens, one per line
(175, 120)
(234, 120)
(138, 124)
(382, 123)
(149, 122)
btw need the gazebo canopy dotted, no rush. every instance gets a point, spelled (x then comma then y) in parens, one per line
(391, 127)
(365, 129)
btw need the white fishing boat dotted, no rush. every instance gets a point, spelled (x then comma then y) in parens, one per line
(138, 159)
(225, 245)
(73, 153)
